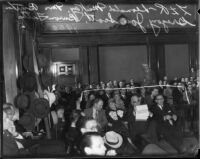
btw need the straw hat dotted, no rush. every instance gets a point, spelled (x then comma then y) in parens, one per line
(27, 121)
(28, 62)
(22, 101)
(42, 60)
(113, 139)
(28, 81)
(40, 107)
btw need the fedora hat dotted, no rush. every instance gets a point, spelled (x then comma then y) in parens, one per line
(113, 139)
(42, 60)
(28, 81)
(28, 62)
(40, 107)
(22, 101)
(27, 121)
(46, 80)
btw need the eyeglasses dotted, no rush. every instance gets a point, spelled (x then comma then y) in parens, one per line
(159, 98)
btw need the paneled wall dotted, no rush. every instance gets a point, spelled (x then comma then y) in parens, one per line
(177, 60)
(122, 62)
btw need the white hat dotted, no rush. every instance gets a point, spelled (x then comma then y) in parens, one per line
(113, 139)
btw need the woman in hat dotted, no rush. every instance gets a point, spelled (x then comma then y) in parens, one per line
(115, 118)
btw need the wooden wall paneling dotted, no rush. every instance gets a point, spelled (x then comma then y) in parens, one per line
(160, 51)
(93, 64)
(193, 55)
(152, 58)
(9, 56)
(83, 65)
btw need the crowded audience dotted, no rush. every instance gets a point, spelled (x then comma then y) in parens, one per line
(100, 119)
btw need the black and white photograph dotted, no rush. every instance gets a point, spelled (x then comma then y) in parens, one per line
(99, 78)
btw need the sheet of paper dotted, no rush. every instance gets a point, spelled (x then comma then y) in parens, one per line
(142, 112)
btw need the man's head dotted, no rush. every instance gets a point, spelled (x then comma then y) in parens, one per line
(135, 100)
(159, 99)
(7, 117)
(121, 84)
(154, 92)
(87, 124)
(98, 104)
(92, 144)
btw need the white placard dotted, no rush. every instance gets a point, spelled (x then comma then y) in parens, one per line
(142, 113)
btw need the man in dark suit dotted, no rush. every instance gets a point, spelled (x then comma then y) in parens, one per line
(97, 113)
(167, 123)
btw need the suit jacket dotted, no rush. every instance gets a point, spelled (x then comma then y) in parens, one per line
(159, 113)
(10, 147)
(101, 117)
(135, 127)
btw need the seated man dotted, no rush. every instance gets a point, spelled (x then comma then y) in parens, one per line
(97, 113)
(142, 133)
(14, 143)
(92, 144)
(167, 125)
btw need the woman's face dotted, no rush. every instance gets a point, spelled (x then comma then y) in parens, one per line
(117, 97)
(60, 113)
(92, 97)
(7, 123)
(112, 105)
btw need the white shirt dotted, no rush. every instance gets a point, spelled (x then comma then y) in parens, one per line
(94, 113)
(161, 107)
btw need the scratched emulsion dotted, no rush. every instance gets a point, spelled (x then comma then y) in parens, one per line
(102, 16)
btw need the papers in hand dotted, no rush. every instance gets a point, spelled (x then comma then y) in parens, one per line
(142, 113)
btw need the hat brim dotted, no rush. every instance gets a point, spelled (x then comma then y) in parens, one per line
(28, 126)
(22, 101)
(38, 111)
(118, 144)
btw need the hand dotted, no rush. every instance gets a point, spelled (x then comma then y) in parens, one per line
(27, 134)
(167, 117)
(174, 117)
(109, 124)
(150, 114)
(171, 122)
(111, 153)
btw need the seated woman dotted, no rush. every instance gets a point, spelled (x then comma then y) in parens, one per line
(14, 144)
(117, 124)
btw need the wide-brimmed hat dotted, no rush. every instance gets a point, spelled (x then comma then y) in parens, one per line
(42, 60)
(22, 101)
(27, 121)
(113, 139)
(28, 81)
(40, 107)
(46, 80)
(28, 62)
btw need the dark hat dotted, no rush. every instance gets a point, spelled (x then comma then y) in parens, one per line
(46, 80)
(40, 107)
(27, 121)
(22, 101)
(28, 62)
(42, 60)
(28, 81)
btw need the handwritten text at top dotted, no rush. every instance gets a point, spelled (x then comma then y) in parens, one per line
(78, 12)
